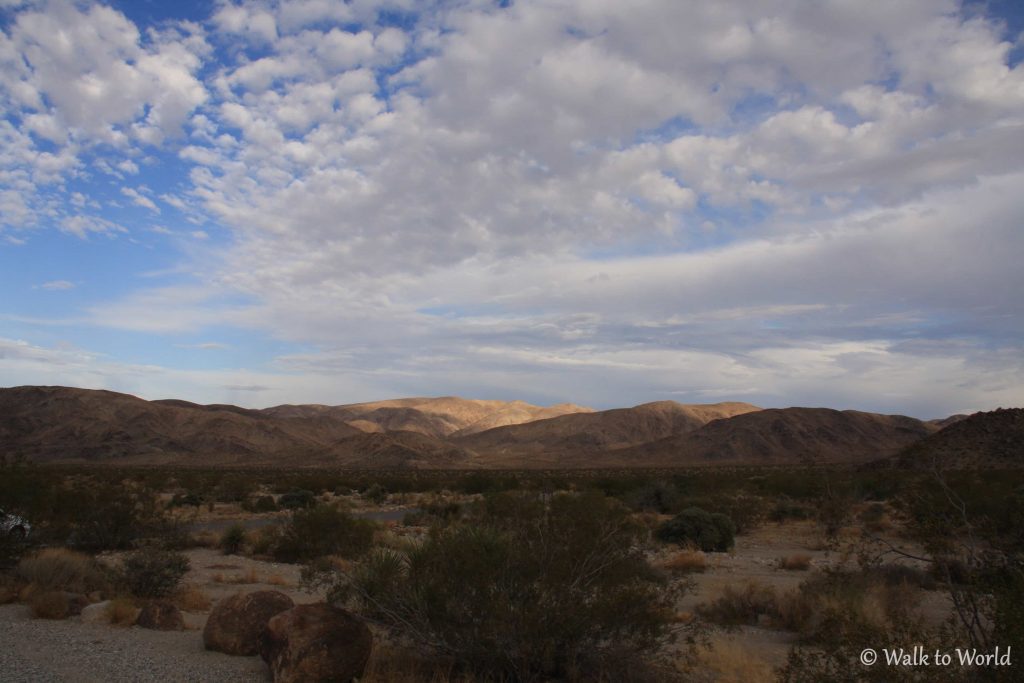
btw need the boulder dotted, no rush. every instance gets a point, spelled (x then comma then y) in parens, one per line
(96, 613)
(237, 622)
(161, 616)
(316, 643)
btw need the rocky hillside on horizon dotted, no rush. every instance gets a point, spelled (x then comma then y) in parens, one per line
(61, 424)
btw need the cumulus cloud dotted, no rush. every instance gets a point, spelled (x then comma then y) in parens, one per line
(793, 201)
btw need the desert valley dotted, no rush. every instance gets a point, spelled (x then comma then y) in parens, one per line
(751, 544)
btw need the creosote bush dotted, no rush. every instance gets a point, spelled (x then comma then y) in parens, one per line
(232, 540)
(530, 589)
(58, 569)
(323, 531)
(709, 531)
(294, 500)
(154, 573)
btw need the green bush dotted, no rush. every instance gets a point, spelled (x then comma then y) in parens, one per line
(232, 539)
(375, 494)
(709, 531)
(533, 589)
(323, 531)
(153, 573)
(260, 504)
(294, 500)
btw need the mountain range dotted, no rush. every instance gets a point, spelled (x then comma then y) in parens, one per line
(62, 424)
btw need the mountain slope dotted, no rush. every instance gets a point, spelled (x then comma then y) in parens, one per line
(439, 417)
(59, 423)
(786, 436)
(991, 440)
(574, 434)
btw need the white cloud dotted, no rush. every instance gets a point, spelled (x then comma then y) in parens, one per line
(140, 199)
(57, 285)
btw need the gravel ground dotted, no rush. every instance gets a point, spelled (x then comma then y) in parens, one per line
(38, 650)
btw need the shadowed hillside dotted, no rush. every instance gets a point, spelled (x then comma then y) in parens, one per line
(787, 436)
(992, 440)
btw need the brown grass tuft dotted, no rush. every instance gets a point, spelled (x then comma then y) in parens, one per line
(190, 598)
(798, 562)
(50, 605)
(745, 605)
(61, 569)
(122, 612)
(731, 662)
(686, 562)
(277, 580)
(249, 576)
(205, 539)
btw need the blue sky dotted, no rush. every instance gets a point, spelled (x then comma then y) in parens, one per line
(788, 202)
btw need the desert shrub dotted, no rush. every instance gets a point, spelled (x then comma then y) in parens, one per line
(185, 499)
(686, 562)
(294, 500)
(122, 612)
(262, 541)
(232, 540)
(709, 531)
(260, 504)
(833, 511)
(191, 599)
(102, 515)
(50, 605)
(533, 589)
(786, 509)
(375, 494)
(841, 614)
(797, 562)
(656, 496)
(875, 518)
(323, 531)
(58, 569)
(741, 606)
(154, 573)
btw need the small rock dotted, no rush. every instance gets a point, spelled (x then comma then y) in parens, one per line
(316, 643)
(96, 613)
(161, 616)
(237, 623)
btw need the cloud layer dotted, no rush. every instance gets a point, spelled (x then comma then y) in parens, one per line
(788, 202)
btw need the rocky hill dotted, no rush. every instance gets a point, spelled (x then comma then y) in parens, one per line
(786, 436)
(992, 440)
(50, 424)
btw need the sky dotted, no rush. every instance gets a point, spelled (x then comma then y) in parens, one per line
(786, 202)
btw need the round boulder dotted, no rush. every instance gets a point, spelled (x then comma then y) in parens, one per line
(161, 616)
(316, 643)
(237, 622)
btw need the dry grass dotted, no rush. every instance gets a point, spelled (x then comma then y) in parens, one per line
(9, 589)
(248, 577)
(277, 580)
(50, 605)
(745, 605)
(205, 539)
(731, 662)
(686, 562)
(798, 562)
(389, 664)
(122, 612)
(190, 598)
(62, 569)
